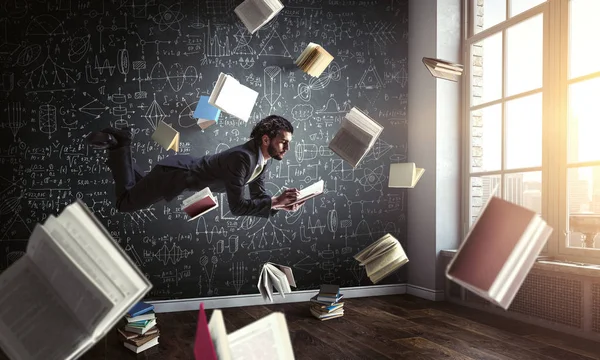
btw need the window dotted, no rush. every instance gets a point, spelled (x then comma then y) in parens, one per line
(532, 116)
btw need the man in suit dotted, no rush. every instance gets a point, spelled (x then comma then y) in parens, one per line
(226, 172)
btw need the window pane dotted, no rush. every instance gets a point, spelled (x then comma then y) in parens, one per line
(524, 55)
(524, 189)
(524, 132)
(486, 139)
(583, 127)
(584, 28)
(518, 6)
(482, 188)
(488, 13)
(583, 201)
(486, 59)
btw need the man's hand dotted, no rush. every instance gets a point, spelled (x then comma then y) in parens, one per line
(287, 197)
(293, 207)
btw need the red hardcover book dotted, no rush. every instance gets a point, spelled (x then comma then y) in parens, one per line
(199, 204)
(203, 346)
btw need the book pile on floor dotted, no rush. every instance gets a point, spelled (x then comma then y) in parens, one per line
(140, 332)
(326, 304)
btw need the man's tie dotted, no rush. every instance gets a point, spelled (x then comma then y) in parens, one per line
(257, 171)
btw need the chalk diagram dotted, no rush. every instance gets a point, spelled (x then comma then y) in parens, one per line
(169, 17)
(373, 179)
(14, 118)
(332, 73)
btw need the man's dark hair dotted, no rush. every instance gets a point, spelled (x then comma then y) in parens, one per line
(270, 126)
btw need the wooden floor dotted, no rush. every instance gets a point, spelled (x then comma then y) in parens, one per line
(387, 327)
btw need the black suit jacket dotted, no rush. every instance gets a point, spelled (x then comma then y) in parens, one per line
(228, 172)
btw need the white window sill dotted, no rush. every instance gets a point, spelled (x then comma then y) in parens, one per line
(549, 264)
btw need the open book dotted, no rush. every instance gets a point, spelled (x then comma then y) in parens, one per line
(314, 60)
(309, 192)
(70, 288)
(256, 13)
(199, 204)
(404, 175)
(356, 136)
(499, 251)
(166, 136)
(382, 258)
(265, 339)
(206, 114)
(443, 69)
(232, 97)
(278, 276)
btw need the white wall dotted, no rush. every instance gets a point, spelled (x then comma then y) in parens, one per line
(433, 218)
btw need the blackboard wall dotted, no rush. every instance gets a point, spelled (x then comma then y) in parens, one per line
(71, 67)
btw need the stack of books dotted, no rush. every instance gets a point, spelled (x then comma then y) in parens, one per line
(326, 304)
(140, 332)
(314, 60)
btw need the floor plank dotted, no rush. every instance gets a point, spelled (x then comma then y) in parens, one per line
(386, 327)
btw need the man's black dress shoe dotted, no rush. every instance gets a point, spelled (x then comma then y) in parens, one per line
(101, 140)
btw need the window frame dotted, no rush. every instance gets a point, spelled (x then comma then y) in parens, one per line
(554, 92)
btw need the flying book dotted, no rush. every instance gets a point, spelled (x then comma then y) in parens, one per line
(232, 97)
(404, 175)
(443, 69)
(199, 204)
(314, 60)
(499, 251)
(309, 192)
(206, 114)
(356, 136)
(256, 13)
(70, 288)
(382, 258)
(266, 339)
(166, 136)
(278, 276)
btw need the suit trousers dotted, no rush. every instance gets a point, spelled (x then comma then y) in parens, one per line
(134, 191)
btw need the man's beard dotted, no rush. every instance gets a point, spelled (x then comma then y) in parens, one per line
(273, 153)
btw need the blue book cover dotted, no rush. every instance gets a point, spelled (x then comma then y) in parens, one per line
(139, 309)
(206, 111)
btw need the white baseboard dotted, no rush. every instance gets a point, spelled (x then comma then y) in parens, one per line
(220, 302)
(425, 293)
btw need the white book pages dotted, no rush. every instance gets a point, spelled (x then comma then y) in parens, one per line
(275, 279)
(76, 289)
(218, 335)
(347, 146)
(382, 261)
(268, 286)
(365, 122)
(197, 196)
(404, 175)
(117, 266)
(281, 276)
(384, 272)
(83, 259)
(264, 339)
(217, 89)
(35, 324)
(288, 273)
(236, 99)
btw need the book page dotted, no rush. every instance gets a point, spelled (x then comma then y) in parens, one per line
(364, 122)
(384, 260)
(88, 303)
(288, 273)
(34, 322)
(218, 335)
(275, 278)
(116, 266)
(264, 339)
(387, 270)
(348, 147)
(84, 260)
